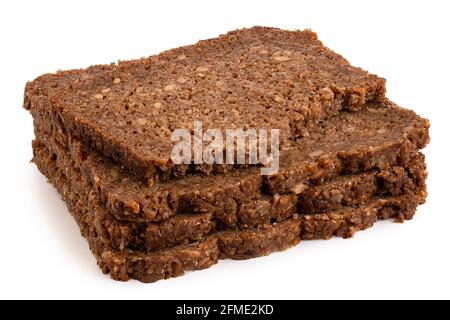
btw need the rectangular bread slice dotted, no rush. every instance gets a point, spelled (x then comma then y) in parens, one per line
(380, 136)
(348, 190)
(262, 78)
(238, 244)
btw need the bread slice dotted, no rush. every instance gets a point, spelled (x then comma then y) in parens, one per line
(236, 244)
(380, 136)
(261, 78)
(347, 190)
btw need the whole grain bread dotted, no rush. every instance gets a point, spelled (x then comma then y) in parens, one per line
(378, 137)
(244, 244)
(262, 78)
(347, 190)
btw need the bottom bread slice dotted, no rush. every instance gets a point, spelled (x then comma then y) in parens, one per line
(237, 244)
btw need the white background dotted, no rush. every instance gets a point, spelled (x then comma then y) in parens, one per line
(42, 254)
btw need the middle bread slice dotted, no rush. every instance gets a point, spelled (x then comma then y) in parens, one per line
(377, 137)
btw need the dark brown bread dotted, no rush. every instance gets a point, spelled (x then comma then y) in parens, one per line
(377, 137)
(258, 77)
(150, 267)
(347, 190)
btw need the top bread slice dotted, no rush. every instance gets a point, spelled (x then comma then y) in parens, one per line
(261, 78)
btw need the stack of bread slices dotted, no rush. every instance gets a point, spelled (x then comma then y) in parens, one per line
(348, 157)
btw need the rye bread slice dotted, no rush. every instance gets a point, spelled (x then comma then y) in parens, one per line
(349, 190)
(379, 136)
(262, 78)
(237, 244)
